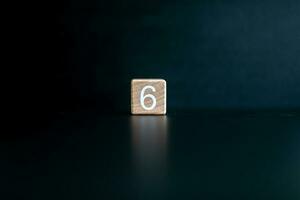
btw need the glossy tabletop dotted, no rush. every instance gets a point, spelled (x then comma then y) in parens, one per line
(184, 155)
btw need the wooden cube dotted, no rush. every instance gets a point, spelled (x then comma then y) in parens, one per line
(148, 96)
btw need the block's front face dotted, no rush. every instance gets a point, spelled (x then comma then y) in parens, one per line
(148, 96)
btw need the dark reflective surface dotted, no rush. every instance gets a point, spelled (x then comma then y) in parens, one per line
(180, 156)
(150, 155)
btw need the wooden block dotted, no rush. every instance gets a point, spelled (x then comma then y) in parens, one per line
(148, 96)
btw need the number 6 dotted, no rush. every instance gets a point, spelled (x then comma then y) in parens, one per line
(142, 97)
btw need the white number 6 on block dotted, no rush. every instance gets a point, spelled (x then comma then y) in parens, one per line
(142, 97)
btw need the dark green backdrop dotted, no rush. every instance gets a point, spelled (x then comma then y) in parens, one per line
(213, 54)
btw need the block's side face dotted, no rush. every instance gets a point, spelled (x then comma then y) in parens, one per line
(132, 97)
(148, 96)
(165, 97)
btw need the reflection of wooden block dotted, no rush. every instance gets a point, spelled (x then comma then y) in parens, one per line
(148, 96)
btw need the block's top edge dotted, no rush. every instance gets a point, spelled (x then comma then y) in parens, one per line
(148, 79)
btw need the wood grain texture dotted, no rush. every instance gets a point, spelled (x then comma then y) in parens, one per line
(160, 94)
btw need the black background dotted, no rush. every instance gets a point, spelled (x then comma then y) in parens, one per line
(213, 54)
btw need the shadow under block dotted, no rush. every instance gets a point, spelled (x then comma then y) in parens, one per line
(148, 96)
